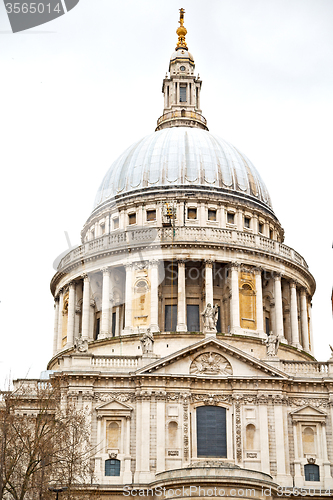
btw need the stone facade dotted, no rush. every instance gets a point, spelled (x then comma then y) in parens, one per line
(131, 344)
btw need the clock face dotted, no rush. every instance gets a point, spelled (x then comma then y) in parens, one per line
(182, 68)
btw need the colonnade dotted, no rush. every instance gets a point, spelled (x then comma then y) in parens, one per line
(299, 331)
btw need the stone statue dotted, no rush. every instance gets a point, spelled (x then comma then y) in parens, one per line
(210, 316)
(147, 341)
(272, 344)
(81, 345)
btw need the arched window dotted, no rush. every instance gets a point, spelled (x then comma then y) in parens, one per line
(211, 432)
(308, 439)
(112, 467)
(311, 472)
(250, 434)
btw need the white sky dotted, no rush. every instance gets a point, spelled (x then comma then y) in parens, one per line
(79, 90)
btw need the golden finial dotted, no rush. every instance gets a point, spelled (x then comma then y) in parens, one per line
(181, 32)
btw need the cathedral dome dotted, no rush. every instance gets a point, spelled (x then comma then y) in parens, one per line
(183, 157)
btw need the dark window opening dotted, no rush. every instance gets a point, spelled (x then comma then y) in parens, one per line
(112, 467)
(193, 322)
(311, 472)
(218, 324)
(246, 222)
(98, 324)
(114, 316)
(271, 234)
(182, 113)
(182, 93)
(267, 325)
(211, 432)
(151, 215)
(132, 219)
(212, 215)
(231, 218)
(261, 228)
(191, 213)
(170, 319)
(116, 223)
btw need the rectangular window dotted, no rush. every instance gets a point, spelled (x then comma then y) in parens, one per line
(170, 319)
(271, 234)
(112, 467)
(182, 93)
(151, 215)
(261, 228)
(191, 213)
(102, 228)
(212, 215)
(230, 218)
(116, 223)
(131, 219)
(218, 324)
(114, 316)
(193, 323)
(211, 432)
(247, 222)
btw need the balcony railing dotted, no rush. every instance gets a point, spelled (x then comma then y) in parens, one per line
(312, 368)
(133, 238)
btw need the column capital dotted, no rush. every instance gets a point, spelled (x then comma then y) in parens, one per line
(257, 270)
(85, 277)
(277, 276)
(235, 266)
(153, 263)
(181, 262)
(209, 263)
(105, 270)
(56, 300)
(128, 266)
(303, 291)
(293, 284)
(71, 284)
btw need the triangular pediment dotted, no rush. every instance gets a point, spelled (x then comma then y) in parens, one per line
(114, 407)
(211, 357)
(308, 411)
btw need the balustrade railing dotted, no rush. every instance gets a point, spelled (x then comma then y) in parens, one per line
(304, 368)
(158, 236)
(114, 361)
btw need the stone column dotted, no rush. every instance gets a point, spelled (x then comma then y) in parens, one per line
(181, 306)
(153, 264)
(281, 437)
(71, 315)
(56, 319)
(105, 323)
(310, 324)
(259, 303)
(209, 282)
(85, 307)
(128, 299)
(297, 462)
(293, 315)
(234, 306)
(304, 321)
(61, 305)
(278, 306)
(127, 476)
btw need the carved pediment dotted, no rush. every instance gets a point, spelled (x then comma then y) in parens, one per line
(308, 413)
(114, 408)
(212, 357)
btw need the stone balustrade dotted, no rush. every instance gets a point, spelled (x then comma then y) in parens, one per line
(312, 368)
(159, 236)
(115, 362)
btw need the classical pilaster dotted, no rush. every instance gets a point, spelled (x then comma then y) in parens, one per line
(128, 299)
(160, 435)
(181, 306)
(234, 306)
(71, 315)
(209, 282)
(294, 316)
(281, 437)
(105, 323)
(259, 303)
(278, 307)
(85, 307)
(304, 321)
(264, 438)
(56, 319)
(61, 305)
(153, 264)
(127, 477)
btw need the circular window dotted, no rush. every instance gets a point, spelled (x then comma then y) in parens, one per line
(182, 68)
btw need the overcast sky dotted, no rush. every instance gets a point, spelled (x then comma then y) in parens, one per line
(79, 90)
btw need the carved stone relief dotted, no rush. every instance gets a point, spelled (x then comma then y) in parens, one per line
(210, 363)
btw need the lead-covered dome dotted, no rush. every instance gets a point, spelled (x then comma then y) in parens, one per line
(182, 157)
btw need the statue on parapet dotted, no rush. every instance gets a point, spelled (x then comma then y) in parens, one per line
(81, 344)
(272, 344)
(210, 316)
(147, 342)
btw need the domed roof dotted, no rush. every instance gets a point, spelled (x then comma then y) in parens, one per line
(182, 157)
